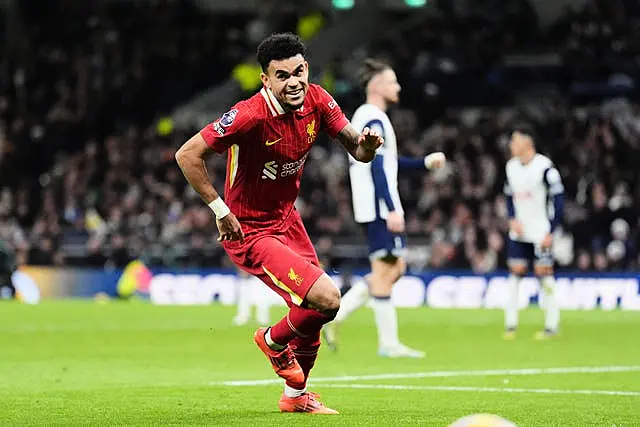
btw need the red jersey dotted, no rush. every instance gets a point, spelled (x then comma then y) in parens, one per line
(267, 148)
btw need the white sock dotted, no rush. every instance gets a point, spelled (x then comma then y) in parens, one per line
(292, 392)
(551, 307)
(511, 303)
(355, 298)
(386, 321)
(273, 345)
(244, 298)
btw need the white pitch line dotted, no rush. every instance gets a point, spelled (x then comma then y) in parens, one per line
(445, 374)
(483, 389)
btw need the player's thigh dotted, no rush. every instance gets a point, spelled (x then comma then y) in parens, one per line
(384, 244)
(543, 264)
(288, 273)
(298, 239)
(519, 255)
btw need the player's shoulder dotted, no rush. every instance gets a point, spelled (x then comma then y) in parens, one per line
(369, 112)
(256, 106)
(542, 161)
(317, 96)
(512, 163)
(242, 118)
(317, 92)
(243, 115)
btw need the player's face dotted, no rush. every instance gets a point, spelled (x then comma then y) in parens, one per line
(518, 143)
(387, 86)
(288, 79)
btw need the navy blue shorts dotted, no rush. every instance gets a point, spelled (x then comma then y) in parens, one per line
(382, 242)
(524, 253)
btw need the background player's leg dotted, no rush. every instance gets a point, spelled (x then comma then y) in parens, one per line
(356, 297)
(518, 262)
(243, 288)
(382, 274)
(263, 307)
(353, 299)
(549, 300)
(387, 267)
(385, 272)
(517, 271)
(377, 238)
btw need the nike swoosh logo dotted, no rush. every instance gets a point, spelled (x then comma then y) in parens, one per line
(268, 143)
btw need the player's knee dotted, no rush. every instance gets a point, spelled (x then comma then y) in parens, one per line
(543, 270)
(329, 303)
(401, 268)
(324, 297)
(333, 303)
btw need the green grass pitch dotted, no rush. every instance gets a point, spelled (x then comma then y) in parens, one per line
(81, 363)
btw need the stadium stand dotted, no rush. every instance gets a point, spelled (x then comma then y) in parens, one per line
(87, 176)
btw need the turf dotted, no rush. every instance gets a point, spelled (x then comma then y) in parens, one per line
(82, 363)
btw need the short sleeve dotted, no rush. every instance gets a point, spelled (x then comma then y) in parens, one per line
(376, 126)
(333, 119)
(553, 181)
(226, 130)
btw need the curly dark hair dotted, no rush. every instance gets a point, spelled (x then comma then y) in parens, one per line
(279, 46)
(369, 69)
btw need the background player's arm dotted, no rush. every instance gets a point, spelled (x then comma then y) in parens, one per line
(556, 191)
(362, 146)
(395, 219)
(432, 161)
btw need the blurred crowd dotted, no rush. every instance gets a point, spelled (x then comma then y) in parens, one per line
(88, 178)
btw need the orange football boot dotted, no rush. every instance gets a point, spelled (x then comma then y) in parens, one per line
(284, 362)
(308, 403)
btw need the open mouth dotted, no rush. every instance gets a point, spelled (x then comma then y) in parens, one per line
(294, 93)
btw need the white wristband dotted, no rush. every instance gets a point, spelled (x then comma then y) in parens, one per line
(433, 158)
(219, 208)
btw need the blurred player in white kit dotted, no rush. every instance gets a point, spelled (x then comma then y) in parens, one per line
(533, 188)
(251, 293)
(377, 206)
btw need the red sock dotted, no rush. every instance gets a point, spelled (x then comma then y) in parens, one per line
(299, 322)
(306, 351)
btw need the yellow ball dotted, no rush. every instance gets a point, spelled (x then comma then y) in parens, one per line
(482, 420)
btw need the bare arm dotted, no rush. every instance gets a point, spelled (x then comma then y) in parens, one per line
(190, 158)
(361, 146)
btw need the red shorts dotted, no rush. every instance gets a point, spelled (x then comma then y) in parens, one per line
(285, 260)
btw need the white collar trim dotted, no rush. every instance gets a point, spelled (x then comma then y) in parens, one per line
(273, 104)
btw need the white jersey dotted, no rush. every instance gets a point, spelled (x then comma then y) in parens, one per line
(531, 186)
(367, 205)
